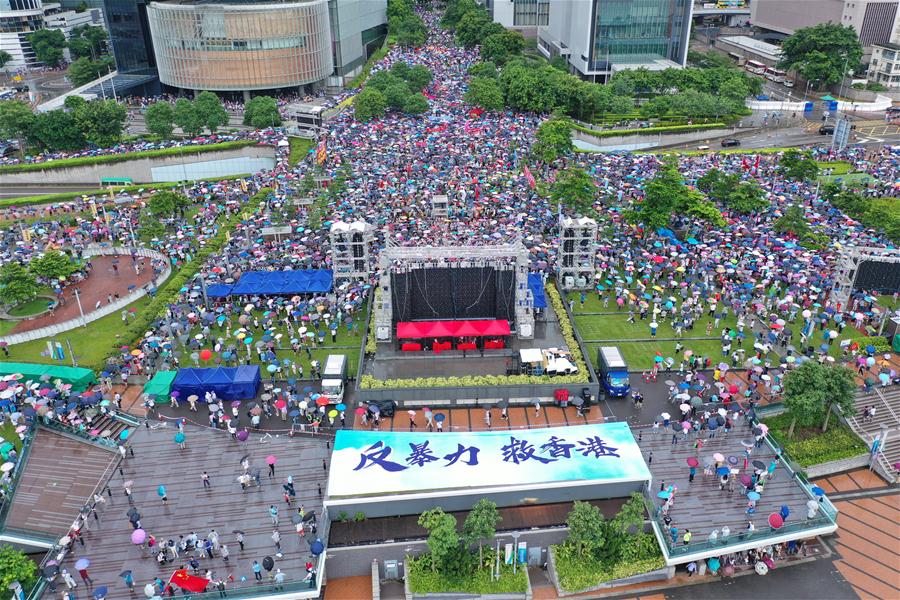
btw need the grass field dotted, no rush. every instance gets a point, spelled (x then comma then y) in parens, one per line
(300, 147)
(32, 307)
(889, 302)
(616, 327)
(8, 433)
(838, 167)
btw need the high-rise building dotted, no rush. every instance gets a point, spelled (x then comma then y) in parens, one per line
(245, 45)
(522, 15)
(872, 19)
(21, 18)
(884, 67)
(599, 37)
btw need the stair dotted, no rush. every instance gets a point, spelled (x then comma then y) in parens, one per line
(886, 401)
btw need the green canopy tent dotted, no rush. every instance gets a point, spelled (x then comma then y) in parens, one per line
(160, 386)
(80, 378)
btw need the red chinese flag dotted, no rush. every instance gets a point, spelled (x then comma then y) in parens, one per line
(529, 177)
(191, 583)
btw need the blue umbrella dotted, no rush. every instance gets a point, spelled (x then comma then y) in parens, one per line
(341, 406)
(753, 496)
(179, 437)
(124, 435)
(684, 385)
(440, 417)
(100, 592)
(818, 491)
(723, 471)
(317, 547)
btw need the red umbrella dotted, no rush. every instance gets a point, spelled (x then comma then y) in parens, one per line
(321, 401)
(360, 410)
(776, 521)
(732, 389)
(692, 461)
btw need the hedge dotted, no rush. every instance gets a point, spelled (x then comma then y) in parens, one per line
(640, 554)
(810, 446)
(379, 54)
(649, 130)
(81, 161)
(66, 196)
(368, 382)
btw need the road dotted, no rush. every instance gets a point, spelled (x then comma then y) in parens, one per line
(36, 190)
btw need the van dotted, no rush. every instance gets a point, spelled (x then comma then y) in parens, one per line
(334, 378)
(613, 371)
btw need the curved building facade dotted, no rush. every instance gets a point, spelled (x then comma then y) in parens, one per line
(243, 46)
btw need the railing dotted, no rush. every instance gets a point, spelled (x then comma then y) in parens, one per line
(16, 475)
(65, 429)
(96, 250)
(887, 405)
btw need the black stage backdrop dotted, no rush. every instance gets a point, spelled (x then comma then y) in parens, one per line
(877, 276)
(454, 293)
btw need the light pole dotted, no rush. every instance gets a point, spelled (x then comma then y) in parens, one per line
(515, 537)
(78, 300)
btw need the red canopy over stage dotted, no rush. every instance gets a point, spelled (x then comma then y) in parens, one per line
(428, 329)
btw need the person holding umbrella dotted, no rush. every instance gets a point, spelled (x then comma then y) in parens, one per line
(128, 578)
(81, 566)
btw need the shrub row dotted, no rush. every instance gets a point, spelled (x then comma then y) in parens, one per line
(640, 554)
(81, 161)
(649, 130)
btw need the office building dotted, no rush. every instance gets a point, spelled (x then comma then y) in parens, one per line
(21, 18)
(242, 46)
(521, 15)
(600, 37)
(884, 67)
(872, 19)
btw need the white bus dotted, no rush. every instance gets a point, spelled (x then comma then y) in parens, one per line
(754, 67)
(775, 75)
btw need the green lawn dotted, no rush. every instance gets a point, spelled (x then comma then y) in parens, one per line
(888, 302)
(7, 326)
(92, 344)
(640, 355)
(848, 179)
(300, 147)
(838, 167)
(32, 307)
(616, 327)
(8, 433)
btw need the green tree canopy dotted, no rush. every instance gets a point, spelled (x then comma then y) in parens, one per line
(575, 189)
(552, 140)
(160, 119)
(84, 70)
(415, 104)
(793, 221)
(484, 69)
(481, 524)
(411, 32)
(56, 130)
(87, 41)
(211, 111)
(396, 94)
(813, 388)
(165, 204)
(418, 77)
(73, 102)
(52, 266)
(16, 118)
(189, 118)
(48, 46)
(5, 57)
(455, 10)
(16, 566)
(17, 285)
(262, 112)
(798, 165)
(499, 47)
(744, 197)
(485, 93)
(586, 527)
(369, 104)
(823, 53)
(442, 537)
(102, 121)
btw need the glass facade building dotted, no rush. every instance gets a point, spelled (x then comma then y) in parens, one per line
(239, 47)
(129, 35)
(635, 31)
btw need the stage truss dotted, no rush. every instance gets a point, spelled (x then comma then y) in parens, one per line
(402, 258)
(848, 268)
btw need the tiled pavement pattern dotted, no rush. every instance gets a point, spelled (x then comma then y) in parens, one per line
(60, 474)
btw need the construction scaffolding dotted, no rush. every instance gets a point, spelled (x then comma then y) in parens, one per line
(403, 258)
(848, 268)
(350, 243)
(577, 250)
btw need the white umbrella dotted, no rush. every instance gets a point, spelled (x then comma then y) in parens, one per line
(665, 415)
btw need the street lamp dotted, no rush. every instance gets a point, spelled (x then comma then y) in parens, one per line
(78, 300)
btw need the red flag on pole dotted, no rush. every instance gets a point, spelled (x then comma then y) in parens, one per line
(321, 152)
(529, 177)
(191, 583)
(744, 164)
(756, 164)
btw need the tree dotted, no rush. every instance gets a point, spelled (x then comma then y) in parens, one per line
(52, 266)
(793, 221)
(73, 102)
(262, 112)
(102, 121)
(442, 537)
(798, 165)
(747, 198)
(5, 57)
(188, 118)
(805, 394)
(87, 41)
(166, 204)
(525, 88)
(48, 46)
(552, 140)
(418, 77)
(160, 119)
(499, 47)
(484, 93)
(840, 391)
(822, 53)
(415, 104)
(17, 285)
(472, 27)
(586, 527)
(455, 11)
(664, 192)
(575, 189)
(211, 111)
(56, 130)
(16, 118)
(16, 566)
(484, 69)
(481, 524)
(412, 32)
(369, 104)
(84, 70)
(396, 94)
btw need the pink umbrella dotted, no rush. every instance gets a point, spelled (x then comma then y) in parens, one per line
(718, 457)
(776, 521)
(764, 428)
(270, 459)
(138, 536)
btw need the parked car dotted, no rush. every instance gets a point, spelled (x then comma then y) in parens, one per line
(826, 130)
(730, 142)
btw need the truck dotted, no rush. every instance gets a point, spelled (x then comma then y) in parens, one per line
(334, 378)
(613, 371)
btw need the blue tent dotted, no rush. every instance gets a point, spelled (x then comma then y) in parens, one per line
(229, 383)
(284, 282)
(218, 290)
(536, 285)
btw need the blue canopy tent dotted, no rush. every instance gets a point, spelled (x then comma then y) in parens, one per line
(218, 290)
(271, 283)
(536, 285)
(229, 383)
